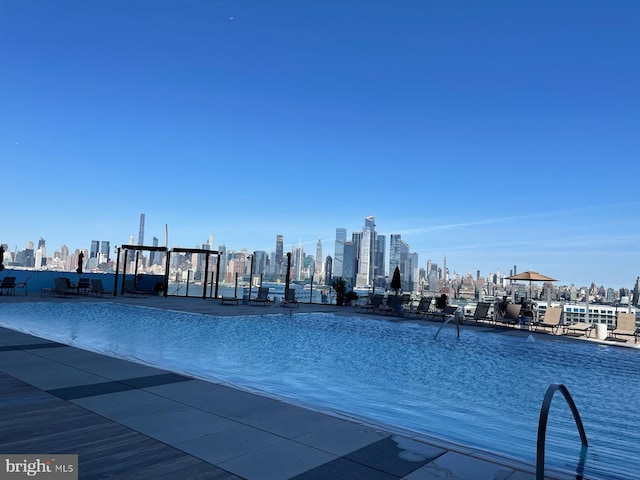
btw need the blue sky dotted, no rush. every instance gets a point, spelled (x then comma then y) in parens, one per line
(497, 133)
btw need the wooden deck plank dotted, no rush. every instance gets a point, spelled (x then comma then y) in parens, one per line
(34, 421)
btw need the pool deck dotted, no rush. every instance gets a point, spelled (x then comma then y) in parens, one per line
(129, 420)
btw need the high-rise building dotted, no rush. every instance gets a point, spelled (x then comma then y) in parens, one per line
(141, 231)
(380, 257)
(348, 270)
(154, 257)
(95, 249)
(64, 253)
(399, 257)
(41, 242)
(370, 228)
(318, 260)
(367, 257)
(279, 266)
(338, 254)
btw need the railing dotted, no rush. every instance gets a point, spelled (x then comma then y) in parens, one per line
(542, 428)
(449, 320)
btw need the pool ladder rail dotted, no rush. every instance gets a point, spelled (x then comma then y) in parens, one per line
(542, 429)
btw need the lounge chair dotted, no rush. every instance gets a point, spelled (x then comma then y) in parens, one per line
(290, 298)
(262, 298)
(421, 309)
(63, 287)
(481, 313)
(579, 329)
(130, 288)
(23, 285)
(97, 288)
(391, 307)
(511, 314)
(626, 326)
(229, 300)
(373, 302)
(552, 319)
(84, 286)
(447, 311)
(8, 286)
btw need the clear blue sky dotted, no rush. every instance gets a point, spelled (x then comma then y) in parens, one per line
(497, 133)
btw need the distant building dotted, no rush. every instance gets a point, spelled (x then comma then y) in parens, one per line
(338, 255)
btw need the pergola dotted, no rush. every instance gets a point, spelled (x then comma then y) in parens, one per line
(165, 283)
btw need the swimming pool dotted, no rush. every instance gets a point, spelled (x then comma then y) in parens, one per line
(483, 389)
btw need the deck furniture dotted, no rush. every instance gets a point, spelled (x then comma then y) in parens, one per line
(421, 309)
(579, 329)
(447, 311)
(130, 288)
(97, 288)
(262, 298)
(625, 326)
(229, 300)
(63, 287)
(552, 319)
(23, 285)
(8, 286)
(511, 314)
(481, 313)
(390, 308)
(290, 298)
(373, 302)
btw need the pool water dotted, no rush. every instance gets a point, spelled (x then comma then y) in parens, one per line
(484, 389)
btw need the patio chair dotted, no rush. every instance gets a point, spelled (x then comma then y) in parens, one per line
(8, 286)
(371, 304)
(391, 306)
(229, 300)
(511, 314)
(625, 326)
(63, 287)
(421, 309)
(290, 298)
(84, 286)
(447, 311)
(130, 288)
(97, 288)
(579, 329)
(552, 319)
(23, 285)
(481, 313)
(262, 298)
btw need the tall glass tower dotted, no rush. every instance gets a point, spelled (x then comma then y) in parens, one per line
(338, 257)
(141, 231)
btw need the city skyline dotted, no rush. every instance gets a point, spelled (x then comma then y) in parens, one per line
(320, 245)
(493, 134)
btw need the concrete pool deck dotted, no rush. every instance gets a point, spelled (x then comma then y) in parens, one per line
(128, 420)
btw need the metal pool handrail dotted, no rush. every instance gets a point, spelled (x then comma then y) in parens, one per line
(448, 320)
(542, 426)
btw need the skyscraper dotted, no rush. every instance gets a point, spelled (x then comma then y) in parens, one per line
(318, 262)
(367, 257)
(338, 255)
(279, 268)
(153, 256)
(141, 232)
(95, 249)
(105, 250)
